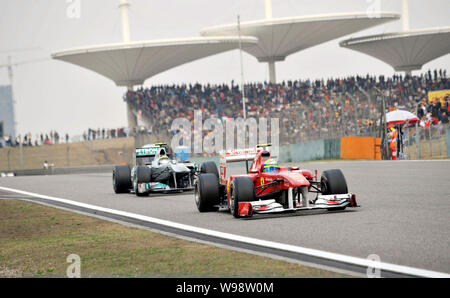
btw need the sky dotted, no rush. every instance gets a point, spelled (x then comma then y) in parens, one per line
(54, 95)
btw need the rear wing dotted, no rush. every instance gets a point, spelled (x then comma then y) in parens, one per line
(238, 155)
(151, 150)
(147, 152)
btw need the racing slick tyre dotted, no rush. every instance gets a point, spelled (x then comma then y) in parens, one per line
(122, 179)
(209, 167)
(206, 192)
(137, 192)
(143, 174)
(333, 183)
(242, 190)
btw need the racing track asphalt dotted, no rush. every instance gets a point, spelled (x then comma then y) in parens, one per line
(404, 218)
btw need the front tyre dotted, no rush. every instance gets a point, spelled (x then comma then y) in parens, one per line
(143, 174)
(333, 183)
(242, 190)
(206, 192)
(137, 192)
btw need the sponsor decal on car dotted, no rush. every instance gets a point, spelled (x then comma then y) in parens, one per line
(147, 151)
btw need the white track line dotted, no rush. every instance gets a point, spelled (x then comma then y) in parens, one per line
(274, 245)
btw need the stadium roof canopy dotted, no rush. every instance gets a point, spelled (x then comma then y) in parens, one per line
(280, 37)
(131, 63)
(404, 51)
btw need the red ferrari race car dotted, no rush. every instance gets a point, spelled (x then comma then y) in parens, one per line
(268, 188)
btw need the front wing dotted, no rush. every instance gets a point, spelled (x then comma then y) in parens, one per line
(161, 187)
(328, 202)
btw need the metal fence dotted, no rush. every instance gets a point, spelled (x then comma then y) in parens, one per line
(416, 143)
(426, 143)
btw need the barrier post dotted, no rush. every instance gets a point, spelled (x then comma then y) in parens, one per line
(439, 139)
(430, 142)
(21, 155)
(417, 141)
(9, 162)
(68, 156)
(408, 153)
(447, 139)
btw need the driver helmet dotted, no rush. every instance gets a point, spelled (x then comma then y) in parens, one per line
(164, 159)
(271, 165)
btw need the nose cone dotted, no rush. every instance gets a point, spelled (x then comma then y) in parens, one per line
(295, 179)
(180, 168)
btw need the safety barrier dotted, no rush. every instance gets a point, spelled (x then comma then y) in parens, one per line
(65, 171)
(121, 151)
(332, 148)
(360, 148)
(448, 142)
(313, 150)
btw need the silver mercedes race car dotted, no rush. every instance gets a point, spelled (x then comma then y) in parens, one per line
(155, 170)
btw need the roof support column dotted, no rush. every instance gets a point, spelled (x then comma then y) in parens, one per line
(405, 15)
(124, 5)
(268, 6)
(272, 72)
(131, 116)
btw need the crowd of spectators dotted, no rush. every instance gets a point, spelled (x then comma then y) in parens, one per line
(97, 134)
(53, 137)
(307, 109)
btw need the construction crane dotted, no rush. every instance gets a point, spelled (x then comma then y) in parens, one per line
(9, 65)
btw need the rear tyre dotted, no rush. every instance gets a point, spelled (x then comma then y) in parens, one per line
(206, 192)
(122, 179)
(209, 167)
(242, 190)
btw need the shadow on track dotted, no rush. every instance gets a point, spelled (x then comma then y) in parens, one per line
(157, 194)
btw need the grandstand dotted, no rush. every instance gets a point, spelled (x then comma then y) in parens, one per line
(130, 63)
(308, 109)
